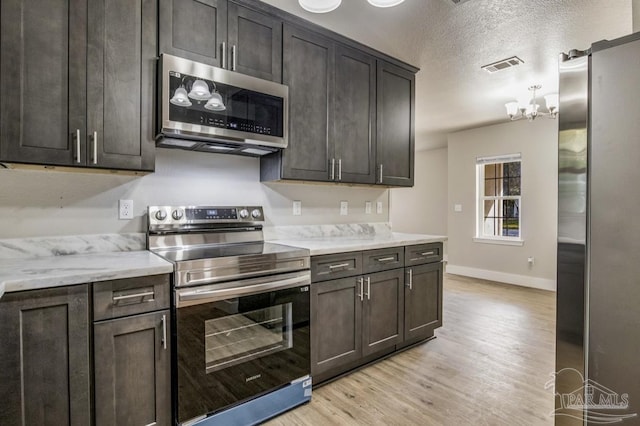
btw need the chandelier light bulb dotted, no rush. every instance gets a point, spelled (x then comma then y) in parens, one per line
(530, 109)
(180, 98)
(200, 91)
(319, 6)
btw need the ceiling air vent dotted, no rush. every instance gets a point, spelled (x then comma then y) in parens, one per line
(502, 64)
(459, 1)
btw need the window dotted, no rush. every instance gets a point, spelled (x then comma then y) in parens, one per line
(499, 198)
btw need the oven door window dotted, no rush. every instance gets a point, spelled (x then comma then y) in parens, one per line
(233, 350)
(242, 337)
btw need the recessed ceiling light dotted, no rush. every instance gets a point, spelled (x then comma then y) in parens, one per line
(319, 6)
(385, 3)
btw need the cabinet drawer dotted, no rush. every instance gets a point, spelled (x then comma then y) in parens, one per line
(382, 259)
(332, 266)
(422, 253)
(112, 299)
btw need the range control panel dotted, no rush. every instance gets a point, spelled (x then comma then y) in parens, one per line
(185, 215)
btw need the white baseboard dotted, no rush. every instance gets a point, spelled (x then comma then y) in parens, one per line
(503, 277)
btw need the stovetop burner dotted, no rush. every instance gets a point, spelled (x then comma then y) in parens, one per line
(210, 244)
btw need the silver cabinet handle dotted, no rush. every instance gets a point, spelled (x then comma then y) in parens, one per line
(78, 160)
(333, 169)
(380, 173)
(361, 282)
(410, 283)
(339, 265)
(164, 332)
(234, 59)
(368, 288)
(95, 147)
(428, 253)
(386, 259)
(224, 55)
(133, 296)
(340, 169)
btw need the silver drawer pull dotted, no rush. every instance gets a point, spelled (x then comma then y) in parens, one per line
(339, 265)
(386, 259)
(428, 253)
(410, 282)
(134, 296)
(164, 332)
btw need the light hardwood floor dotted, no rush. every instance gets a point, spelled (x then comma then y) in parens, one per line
(487, 366)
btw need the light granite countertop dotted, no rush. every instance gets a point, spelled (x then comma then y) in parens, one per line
(330, 239)
(34, 263)
(41, 272)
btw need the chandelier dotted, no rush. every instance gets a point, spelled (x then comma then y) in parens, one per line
(531, 110)
(324, 6)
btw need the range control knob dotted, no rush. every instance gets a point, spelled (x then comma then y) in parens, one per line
(177, 214)
(244, 213)
(256, 214)
(161, 215)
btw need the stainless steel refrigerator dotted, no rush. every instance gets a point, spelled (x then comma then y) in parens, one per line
(598, 290)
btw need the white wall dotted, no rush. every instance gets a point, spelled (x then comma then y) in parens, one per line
(44, 203)
(635, 7)
(423, 208)
(537, 142)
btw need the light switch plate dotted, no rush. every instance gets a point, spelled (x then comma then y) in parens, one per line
(379, 207)
(125, 209)
(344, 208)
(297, 208)
(457, 207)
(367, 207)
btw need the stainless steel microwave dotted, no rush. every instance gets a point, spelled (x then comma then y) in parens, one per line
(205, 108)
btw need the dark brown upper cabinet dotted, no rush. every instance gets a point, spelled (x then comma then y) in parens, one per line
(81, 79)
(351, 114)
(396, 125)
(223, 34)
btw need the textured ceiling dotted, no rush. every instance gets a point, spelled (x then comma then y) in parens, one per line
(449, 43)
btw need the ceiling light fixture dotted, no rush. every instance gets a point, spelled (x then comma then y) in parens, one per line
(324, 6)
(530, 111)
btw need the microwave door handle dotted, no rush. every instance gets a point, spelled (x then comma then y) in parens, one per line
(195, 297)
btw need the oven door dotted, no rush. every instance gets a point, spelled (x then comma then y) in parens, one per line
(238, 340)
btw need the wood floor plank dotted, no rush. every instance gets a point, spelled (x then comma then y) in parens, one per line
(487, 366)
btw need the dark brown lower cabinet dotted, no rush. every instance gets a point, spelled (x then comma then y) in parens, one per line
(383, 317)
(132, 359)
(422, 301)
(352, 318)
(44, 357)
(336, 324)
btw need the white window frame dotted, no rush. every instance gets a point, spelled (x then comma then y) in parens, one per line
(480, 237)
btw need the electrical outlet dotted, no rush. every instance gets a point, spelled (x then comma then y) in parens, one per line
(367, 207)
(379, 207)
(457, 207)
(297, 208)
(344, 208)
(125, 209)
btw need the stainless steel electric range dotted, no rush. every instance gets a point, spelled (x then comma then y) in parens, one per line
(240, 314)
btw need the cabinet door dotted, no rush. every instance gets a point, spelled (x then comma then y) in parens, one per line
(133, 370)
(354, 116)
(194, 29)
(336, 321)
(121, 63)
(383, 315)
(42, 81)
(308, 70)
(255, 43)
(423, 301)
(44, 357)
(395, 123)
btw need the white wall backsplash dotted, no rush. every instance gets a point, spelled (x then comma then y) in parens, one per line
(44, 203)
